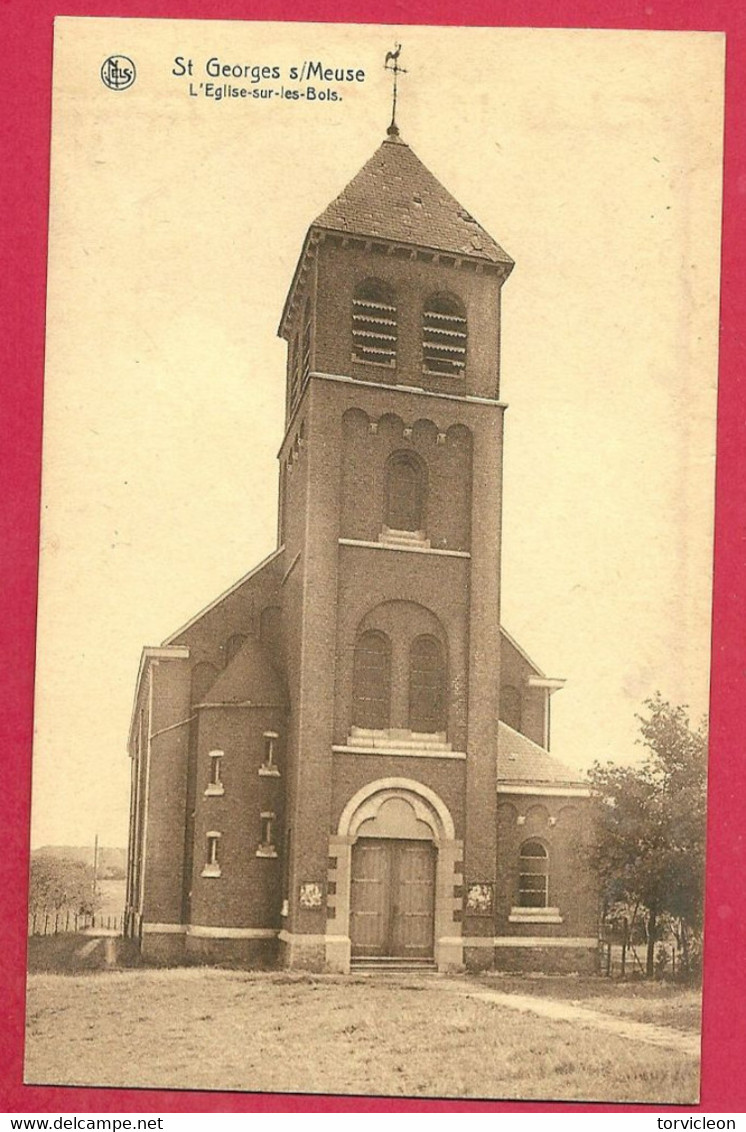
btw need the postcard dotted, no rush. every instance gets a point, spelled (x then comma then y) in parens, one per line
(374, 612)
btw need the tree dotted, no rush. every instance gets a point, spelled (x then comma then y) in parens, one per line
(651, 832)
(57, 883)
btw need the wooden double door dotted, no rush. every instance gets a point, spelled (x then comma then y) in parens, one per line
(392, 898)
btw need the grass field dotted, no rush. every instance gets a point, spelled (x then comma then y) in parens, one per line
(204, 1028)
(664, 1004)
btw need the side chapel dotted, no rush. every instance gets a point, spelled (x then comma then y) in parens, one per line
(343, 762)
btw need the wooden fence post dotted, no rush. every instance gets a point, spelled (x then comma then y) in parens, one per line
(625, 936)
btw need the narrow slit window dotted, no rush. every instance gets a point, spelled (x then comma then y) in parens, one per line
(267, 828)
(444, 336)
(267, 835)
(212, 861)
(215, 780)
(216, 759)
(533, 875)
(374, 324)
(269, 765)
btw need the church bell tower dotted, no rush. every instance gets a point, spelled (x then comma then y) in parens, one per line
(342, 762)
(390, 519)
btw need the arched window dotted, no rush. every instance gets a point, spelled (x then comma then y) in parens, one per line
(510, 706)
(371, 681)
(427, 685)
(533, 875)
(233, 646)
(444, 335)
(405, 493)
(374, 330)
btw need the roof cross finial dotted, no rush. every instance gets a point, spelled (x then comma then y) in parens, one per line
(391, 63)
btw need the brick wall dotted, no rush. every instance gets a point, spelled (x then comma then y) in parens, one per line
(515, 672)
(564, 826)
(414, 279)
(158, 822)
(248, 891)
(445, 455)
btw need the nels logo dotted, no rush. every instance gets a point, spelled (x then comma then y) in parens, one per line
(118, 72)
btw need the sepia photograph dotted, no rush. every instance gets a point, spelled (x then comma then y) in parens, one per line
(373, 654)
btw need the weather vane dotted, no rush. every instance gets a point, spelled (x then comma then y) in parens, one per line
(391, 63)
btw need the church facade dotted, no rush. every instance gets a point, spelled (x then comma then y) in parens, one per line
(343, 762)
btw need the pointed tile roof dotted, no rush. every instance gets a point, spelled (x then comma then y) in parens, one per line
(394, 197)
(248, 678)
(520, 761)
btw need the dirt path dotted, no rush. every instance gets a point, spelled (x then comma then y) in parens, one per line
(561, 1011)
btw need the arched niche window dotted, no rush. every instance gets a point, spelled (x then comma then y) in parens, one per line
(533, 875)
(371, 681)
(427, 685)
(374, 329)
(444, 335)
(510, 706)
(405, 493)
(306, 352)
(233, 646)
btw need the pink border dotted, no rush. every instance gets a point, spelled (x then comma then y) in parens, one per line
(25, 84)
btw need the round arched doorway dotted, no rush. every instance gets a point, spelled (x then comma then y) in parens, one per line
(394, 858)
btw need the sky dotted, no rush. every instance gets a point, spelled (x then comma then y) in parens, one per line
(176, 220)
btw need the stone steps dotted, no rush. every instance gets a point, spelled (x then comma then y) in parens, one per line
(381, 964)
(391, 537)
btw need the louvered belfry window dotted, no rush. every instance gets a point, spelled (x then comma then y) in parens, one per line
(444, 335)
(374, 328)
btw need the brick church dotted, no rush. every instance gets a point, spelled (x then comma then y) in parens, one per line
(343, 762)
